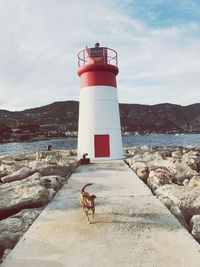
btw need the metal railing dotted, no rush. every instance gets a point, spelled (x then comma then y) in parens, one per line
(108, 56)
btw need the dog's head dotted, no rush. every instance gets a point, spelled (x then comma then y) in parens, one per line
(90, 201)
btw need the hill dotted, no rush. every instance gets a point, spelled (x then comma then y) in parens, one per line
(63, 116)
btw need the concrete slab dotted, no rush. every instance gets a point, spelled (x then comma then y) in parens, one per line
(131, 227)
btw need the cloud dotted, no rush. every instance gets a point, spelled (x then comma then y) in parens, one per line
(39, 45)
(164, 63)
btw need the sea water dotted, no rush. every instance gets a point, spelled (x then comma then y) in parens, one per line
(133, 140)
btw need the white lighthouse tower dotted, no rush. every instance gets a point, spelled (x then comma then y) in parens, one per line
(99, 129)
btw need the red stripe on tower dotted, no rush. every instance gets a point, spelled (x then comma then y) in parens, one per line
(95, 70)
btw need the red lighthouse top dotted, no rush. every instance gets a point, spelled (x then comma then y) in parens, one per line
(97, 66)
(97, 55)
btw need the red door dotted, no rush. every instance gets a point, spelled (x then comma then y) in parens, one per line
(102, 145)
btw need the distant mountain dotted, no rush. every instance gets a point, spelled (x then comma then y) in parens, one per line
(161, 118)
(51, 116)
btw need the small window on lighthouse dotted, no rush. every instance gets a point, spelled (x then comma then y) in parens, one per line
(96, 52)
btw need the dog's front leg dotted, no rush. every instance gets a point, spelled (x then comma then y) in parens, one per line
(88, 220)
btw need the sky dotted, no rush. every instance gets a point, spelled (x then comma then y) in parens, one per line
(157, 41)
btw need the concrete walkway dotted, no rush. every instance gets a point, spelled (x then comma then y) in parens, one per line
(131, 228)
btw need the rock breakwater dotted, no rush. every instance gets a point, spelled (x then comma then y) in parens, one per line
(27, 183)
(173, 174)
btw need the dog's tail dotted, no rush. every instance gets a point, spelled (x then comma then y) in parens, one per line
(83, 188)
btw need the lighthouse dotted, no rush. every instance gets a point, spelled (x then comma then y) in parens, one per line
(99, 129)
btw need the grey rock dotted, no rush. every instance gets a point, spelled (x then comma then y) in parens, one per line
(3, 173)
(52, 181)
(195, 227)
(137, 158)
(186, 198)
(186, 182)
(192, 159)
(167, 202)
(181, 171)
(51, 159)
(10, 168)
(18, 175)
(145, 148)
(12, 228)
(178, 214)
(34, 176)
(60, 169)
(194, 181)
(143, 173)
(149, 156)
(130, 150)
(28, 216)
(138, 165)
(158, 178)
(177, 154)
(22, 194)
(53, 156)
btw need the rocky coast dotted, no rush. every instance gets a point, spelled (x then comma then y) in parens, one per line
(173, 175)
(27, 183)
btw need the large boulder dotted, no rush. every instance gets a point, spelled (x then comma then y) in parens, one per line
(45, 169)
(130, 150)
(194, 182)
(144, 149)
(22, 194)
(48, 156)
(192, 159)
(179, 216)
(34, 176)
(12, 228)
(185, 197)
(177, 154)
(18, 175)
(163, 152)
(9, 167)
(138, 165)
(152, 156)
(181, 171)
(195, 227)
(137, 158)
(53, 156)
(28, 216)
(3, 173)
(167, 202)
(159, 177)
(52, 181)
(143, 173)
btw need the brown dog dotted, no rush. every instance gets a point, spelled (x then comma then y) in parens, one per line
(87, 202)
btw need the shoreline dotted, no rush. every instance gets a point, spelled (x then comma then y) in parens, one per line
(128, 141)
(38, 140)
(65, 137)
(172, 174)
(28, 182)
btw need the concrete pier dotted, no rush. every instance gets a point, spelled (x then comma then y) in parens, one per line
(131, 226)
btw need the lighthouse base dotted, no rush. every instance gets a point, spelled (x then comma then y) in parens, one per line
(99, 134)
(101, 146)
